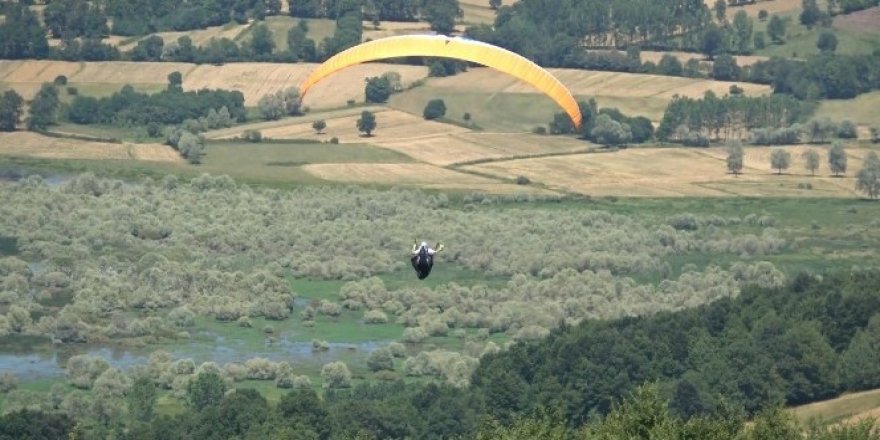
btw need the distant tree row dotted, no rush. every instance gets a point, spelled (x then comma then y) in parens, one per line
(731, 116)
(128, 107)
(552, 32)
(827, 75)
(134, 17)
(441, 14)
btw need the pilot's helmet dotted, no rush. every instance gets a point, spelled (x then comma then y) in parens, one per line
(424, 244)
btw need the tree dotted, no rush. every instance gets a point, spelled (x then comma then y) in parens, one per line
(148, 49)
(21, 34)
(175, 82)
(762, 15)
(742, 30)
(827, 42)
(837, 159)
(780, 160)
(875, 134)
(776, 29)
(336, 375)
(759, 42)
(860, 363)
(142, 398)
(720, 9)
(378, 89)
(811, 157)
(319, 126)
(735, 158)
(713, 41)
(868, 178)
(436, 108)
(495, 4)
(669, 65)
(441, 15)
(206, 389)
(366, 123)
(607, 131)
(271, 106)
(10, 110)
(725, 68)
(380, 359)
(43, 111)
(811, 13)
(262, 41)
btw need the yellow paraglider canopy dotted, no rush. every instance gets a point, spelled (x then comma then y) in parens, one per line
(449, 47)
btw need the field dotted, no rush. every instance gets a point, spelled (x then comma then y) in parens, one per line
(252, 79)
(655, 56)
(199, 37)
(661, 172)
(499, 102)
(800, 42)
(847, 408)
(861, 109)
(35, 145)
(285, 162)
(478, 11)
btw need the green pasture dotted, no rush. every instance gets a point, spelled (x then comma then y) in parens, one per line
(863, 109)
(512, 112)
(319, 29)
(283, 161)
(800, 41)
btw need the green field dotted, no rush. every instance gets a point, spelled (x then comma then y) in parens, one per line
(319, 29)
(863, 109)
(282, 162)
(800, 42)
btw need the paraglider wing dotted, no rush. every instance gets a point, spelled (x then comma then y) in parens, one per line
(459, 48)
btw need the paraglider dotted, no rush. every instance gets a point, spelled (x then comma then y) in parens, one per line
(459, 48)
(422, 258)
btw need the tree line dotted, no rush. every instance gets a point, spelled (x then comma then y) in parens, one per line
(809, 341)
(694, 121)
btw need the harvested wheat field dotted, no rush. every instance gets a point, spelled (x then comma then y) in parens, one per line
(252, 79)
(478, 11)
(851, 407)
(683, 57)
(23, 143)
(672, 172)
(391, 126)
(421, 175)
(458, 148)
(499, 102)
(200, 37)
(257, 79)
(394, 28)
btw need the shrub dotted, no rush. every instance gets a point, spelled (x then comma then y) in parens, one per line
(60, 80)
(375, 317)
(336, 375)
(522, 180)
(847, 130)
(253, 136)
(380, 359)
(436, 108)
(542, 130)
(72, 91)
(8, 382)
(318, 345)
(414, 335)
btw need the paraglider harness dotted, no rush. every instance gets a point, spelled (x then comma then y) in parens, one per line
(423, 261)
